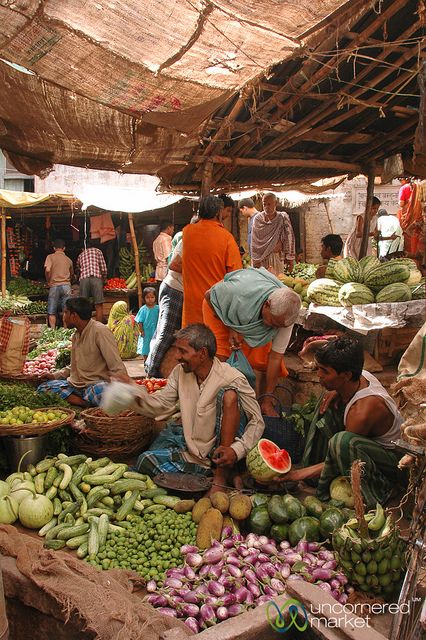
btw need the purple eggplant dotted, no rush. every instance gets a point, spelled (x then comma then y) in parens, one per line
(151, 586)
(241, 594)
(253, 589)
(168, 612)
(192, 624)
(194, 559)
(213, 555)
(215, 588)
(188, 548)
(222, 613)
(190, 610)
(207, 615)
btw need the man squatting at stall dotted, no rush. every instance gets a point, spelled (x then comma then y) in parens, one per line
(360, 420)
(221, 419)
(94, 358)
(331, 248)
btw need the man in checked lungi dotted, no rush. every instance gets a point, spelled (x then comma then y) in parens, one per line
(94, 358)
(357, 419)
(220, 416)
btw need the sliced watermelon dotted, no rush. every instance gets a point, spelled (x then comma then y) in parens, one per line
(266, 460)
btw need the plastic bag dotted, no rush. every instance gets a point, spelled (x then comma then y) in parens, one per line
(238, 360)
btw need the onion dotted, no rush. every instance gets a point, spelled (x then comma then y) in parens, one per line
(35, 511)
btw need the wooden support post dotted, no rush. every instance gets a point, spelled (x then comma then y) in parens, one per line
(3, 252)
(136, 252)
(206, 181)
(367, 215)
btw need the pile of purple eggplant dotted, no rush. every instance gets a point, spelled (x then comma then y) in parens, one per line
(239, 573)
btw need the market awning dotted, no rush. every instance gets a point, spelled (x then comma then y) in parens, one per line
(23, 199)
(126, 85)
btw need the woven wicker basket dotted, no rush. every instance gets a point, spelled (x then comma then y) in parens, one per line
(38, 429)
(125, 434)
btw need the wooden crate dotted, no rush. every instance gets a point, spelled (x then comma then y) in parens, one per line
(391, 344)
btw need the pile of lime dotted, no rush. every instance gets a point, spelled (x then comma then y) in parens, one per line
(150, 545)
(25, 415)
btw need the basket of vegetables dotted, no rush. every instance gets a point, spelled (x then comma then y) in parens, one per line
(23, 421)
(124, 434)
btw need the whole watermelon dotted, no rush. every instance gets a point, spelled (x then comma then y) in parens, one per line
(259, 521)
(396, 292)
(366, 264)
(325, 292)
(355, 293)
(387, 273)
(279, 532)
(305, 528)
(348, 270)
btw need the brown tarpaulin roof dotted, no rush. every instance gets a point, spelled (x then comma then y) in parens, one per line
(125, 84)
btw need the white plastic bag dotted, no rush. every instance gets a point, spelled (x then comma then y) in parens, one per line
(118, 397)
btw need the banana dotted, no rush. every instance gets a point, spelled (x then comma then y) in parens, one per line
(378, 520)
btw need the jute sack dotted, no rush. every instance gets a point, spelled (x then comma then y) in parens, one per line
(14, 341)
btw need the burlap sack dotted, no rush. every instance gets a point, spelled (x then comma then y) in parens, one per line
(14, 341)
(102, 600)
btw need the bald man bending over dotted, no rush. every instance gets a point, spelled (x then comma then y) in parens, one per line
(251, 308)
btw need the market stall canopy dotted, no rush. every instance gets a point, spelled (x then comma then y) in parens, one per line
(31, 203)
(273, 92)
(125, 85)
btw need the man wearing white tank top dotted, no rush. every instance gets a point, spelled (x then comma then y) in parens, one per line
(365, 423)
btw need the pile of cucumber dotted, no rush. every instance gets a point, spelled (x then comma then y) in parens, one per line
(93, 499)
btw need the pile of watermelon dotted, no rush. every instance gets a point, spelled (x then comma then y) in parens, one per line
(350, 282)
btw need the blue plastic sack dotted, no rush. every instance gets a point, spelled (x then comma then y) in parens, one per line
(238, 360)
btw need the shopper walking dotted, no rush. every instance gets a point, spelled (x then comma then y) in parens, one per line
(92, 272)
(59, 272)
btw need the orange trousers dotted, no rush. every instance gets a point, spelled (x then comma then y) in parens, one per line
(257, 356)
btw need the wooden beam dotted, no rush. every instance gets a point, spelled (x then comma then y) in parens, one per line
(367, 217)
(282, 162)
(3, 252)
(206, 181)
(136, 252)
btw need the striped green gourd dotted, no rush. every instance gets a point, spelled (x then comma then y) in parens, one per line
(324, 291)
(355, 293)
(386, 273)
(415, 275)
(367, 263)
(396, 292)
(348, 270)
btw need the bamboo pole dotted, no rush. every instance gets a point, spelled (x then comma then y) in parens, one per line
(206, 181)
(3, 251)
(367, 215)
(283, 162)
(136, 252)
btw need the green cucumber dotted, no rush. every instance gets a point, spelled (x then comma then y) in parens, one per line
(100, 462)
(39, 482)
(167, 501)
(73, 532)
(74, 543)
(54, 544)
(45, 464)
(127, 506)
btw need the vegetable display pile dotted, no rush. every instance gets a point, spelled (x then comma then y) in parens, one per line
(146, 276)
(299, 285)
(127, 261)
(14, 303)
(240, 573)
(24, 415)
(44, 363)
(52, 339)
(286, 518)
(21, 394)
(115, 283)
(22, 286)
(152, 384)
(197, 565)
(349, 282)
(304, 270)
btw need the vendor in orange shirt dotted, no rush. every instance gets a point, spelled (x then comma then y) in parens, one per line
(209, 252)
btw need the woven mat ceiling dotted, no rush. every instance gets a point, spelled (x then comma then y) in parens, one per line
(125, 84)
